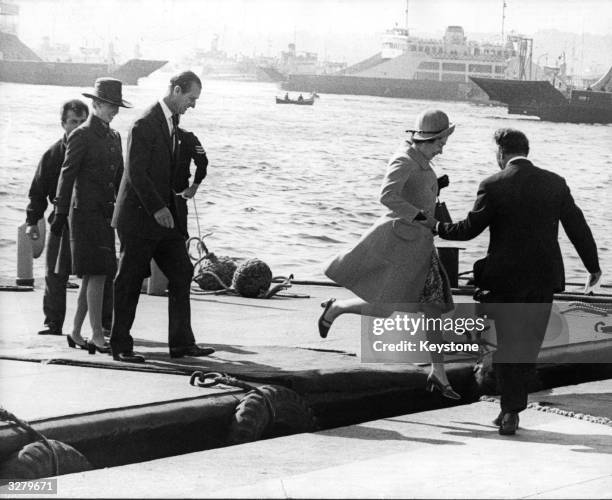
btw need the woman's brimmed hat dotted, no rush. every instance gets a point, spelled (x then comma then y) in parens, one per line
(108, 90)
(431, 124)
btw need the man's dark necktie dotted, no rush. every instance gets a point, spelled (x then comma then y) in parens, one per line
(175, 139)
(175, 123)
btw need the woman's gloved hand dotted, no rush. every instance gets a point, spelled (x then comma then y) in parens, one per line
(58, 223)
(443, 182)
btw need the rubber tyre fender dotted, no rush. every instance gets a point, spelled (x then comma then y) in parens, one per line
(35, 460)
(253, 420)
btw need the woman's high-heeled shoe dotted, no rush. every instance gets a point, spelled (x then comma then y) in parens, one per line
(102, 350)
(325, 325)
(447, 391)
(74, 344)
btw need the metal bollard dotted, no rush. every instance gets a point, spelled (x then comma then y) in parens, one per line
(25, 272)
(158, 283)
(27, 250)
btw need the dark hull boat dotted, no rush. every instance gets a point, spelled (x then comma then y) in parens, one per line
(303, 102)
(540, 98)
(22, 65)
(74, 74)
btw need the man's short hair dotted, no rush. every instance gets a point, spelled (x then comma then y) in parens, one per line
(77, 106)
(185, 80)
(511, 141)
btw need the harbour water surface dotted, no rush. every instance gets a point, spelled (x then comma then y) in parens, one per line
(294, 185)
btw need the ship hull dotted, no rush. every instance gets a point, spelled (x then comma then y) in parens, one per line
(568, 113)
(384, 87)
(74, 74)
(541, 99)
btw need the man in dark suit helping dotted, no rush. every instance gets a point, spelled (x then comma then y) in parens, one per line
(522, 206)
(146, 220)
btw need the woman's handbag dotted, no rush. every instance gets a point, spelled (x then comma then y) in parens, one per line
(441, 213)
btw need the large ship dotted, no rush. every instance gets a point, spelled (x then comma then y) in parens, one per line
(414, 67)
(20, 64)
(292, 62)
(553, 101)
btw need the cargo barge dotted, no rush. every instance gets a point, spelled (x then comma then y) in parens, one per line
(542, 99)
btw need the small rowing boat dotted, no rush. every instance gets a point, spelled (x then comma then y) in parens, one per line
(302, 102)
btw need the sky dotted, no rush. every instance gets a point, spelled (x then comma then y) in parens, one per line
(257, 25)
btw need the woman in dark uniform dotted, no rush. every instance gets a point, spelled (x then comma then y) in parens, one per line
(86, 192)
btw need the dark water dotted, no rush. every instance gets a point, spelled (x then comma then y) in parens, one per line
(294, 185)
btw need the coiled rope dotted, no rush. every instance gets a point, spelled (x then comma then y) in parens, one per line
(198, 252)
(210, 379)
(602, 309)
(7, 416)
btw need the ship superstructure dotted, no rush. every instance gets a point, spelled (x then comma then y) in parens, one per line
(428, 68)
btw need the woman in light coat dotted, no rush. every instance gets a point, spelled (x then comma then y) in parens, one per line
(395, 262)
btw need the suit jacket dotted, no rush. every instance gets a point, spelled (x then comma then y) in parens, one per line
(44, 183)
(146, 186)
(189, 149)
(522, 206)
(92, 169)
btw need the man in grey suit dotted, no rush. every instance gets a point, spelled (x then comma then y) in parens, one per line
(146, 220)
(522, 206)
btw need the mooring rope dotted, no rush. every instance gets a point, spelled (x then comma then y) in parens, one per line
(7, 416)
(210, 379)
(602, 309)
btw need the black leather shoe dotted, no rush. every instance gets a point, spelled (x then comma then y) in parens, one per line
(128, 357)
(323, 324)
(50, 330)
(191, 350)
(498, 420)
(446, 390)
(509, 424)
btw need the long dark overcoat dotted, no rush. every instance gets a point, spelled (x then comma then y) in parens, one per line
(390, 263)
(86, 190)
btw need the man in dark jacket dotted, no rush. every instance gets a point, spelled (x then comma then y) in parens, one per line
(190, 148)
(522, 206)
(146, 220)
(42, 192)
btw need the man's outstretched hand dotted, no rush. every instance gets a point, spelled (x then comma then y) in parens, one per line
(190, 192)
(592, 280)
(32, 232)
